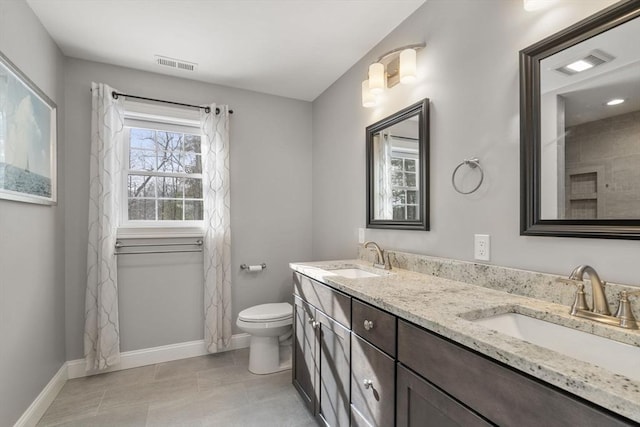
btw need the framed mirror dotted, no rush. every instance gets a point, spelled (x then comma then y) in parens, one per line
(398, 170)
(580, 129)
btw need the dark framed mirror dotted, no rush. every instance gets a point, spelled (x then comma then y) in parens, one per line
(398, 170)
(580, 129)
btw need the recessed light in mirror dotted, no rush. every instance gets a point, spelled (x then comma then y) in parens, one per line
(579, 65)
(615, 101)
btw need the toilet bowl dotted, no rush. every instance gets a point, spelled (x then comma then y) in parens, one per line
(268, 325)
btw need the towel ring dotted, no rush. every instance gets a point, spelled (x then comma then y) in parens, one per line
(472, 163)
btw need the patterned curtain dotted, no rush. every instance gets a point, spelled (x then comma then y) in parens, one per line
(102, 332)
(383, 176)
(217, 237)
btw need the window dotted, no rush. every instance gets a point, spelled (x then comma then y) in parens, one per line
(404, 187)
(162, 168)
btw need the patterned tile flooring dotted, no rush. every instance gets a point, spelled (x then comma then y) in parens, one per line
(213, 390)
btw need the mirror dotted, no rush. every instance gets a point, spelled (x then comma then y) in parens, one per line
(580, 129)
(398, 170)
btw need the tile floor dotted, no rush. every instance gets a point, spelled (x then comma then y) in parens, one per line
(213, 390)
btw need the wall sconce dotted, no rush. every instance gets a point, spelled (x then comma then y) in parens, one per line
(395, 66)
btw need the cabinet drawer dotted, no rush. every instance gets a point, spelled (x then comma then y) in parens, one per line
(422, 405)
(372, 383)
(330, 301)
(500, 394)
(380, 328)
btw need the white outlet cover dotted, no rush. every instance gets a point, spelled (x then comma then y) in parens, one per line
(361, 235)
(482, 247)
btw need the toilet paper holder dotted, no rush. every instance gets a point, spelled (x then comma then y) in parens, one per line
(256, 267)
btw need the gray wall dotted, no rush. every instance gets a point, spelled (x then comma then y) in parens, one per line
(469, 70)
(161, 296)
(31, 241)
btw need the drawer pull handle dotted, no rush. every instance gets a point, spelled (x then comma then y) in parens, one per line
(368, 324)
(367, 383)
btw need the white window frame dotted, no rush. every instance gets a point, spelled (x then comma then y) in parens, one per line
(156, 117)
(404, 153)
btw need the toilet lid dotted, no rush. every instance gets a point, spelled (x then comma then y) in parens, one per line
(271, 312)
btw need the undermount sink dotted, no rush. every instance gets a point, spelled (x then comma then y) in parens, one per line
(352, 273)
(612, 355)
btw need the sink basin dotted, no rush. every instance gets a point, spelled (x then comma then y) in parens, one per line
(614, 356)
(352, 273)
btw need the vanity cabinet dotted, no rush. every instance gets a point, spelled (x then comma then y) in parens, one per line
(357, 365)
(496, 392)
(373, 349)
(322, 350)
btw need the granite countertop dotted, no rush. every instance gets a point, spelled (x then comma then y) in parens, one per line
(447, 307)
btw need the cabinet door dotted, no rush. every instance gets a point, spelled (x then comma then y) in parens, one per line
(304, 347)
(422, 405)
(372, 383)
(333, 357)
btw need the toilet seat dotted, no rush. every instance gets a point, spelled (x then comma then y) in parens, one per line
(264, 313)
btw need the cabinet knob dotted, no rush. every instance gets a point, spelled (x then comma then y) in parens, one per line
(367, 383)
(368, 324)
(313, 323)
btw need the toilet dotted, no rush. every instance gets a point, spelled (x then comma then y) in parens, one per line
(270, 327)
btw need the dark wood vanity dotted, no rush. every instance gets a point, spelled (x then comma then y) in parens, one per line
(357, 365)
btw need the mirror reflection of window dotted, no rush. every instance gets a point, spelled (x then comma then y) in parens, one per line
(396, 171)
(590, 128)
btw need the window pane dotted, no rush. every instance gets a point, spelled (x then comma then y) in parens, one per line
(170, 210)
(397, 179)
(398, 212)
(142, 186)
(170, 187)
(193, 188)
(398, 197)
(169, 141)
(142, 138)
(411, 179)
(169, 161)
(191, 162)
(410, 165)
(396, 164)
(193, 210)
(142, 160)
(142, 209)
(192, 143)
(412, 212)
(412, 197)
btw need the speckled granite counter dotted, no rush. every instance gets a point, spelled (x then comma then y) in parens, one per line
(447, 307)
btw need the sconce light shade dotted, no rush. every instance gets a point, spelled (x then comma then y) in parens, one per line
(376, 78)
(408, 66)
(368, 99)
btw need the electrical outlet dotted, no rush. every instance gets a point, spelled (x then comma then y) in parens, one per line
(361, 235)
(482, 247)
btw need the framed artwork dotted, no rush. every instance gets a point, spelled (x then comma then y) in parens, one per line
(27, 139)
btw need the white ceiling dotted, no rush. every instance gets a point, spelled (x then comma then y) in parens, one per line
(291, 48)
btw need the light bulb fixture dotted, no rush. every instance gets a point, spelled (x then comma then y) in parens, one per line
(368, 99)
(395, 66)
(376, 78)
(616, 101)
(408, 66)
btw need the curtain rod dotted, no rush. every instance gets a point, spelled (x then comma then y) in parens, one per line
(206, 109)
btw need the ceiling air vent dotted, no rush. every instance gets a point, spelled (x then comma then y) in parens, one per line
(593, 59)
(175, 63)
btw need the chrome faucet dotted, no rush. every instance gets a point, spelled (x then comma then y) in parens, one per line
(599, 299)
(381, 260)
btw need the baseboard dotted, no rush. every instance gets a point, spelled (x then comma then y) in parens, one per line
(36, 410)
(150, 356)
(129, 359)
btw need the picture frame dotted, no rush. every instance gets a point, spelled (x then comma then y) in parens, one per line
(28, 139)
